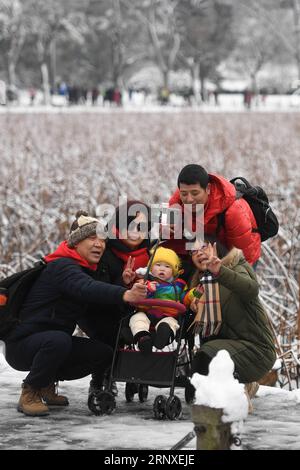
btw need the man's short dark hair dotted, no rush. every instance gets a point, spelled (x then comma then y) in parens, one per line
(193, 174)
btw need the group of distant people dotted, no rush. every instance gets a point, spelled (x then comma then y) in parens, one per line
(112, 96)
(91, 280)
(79, 95)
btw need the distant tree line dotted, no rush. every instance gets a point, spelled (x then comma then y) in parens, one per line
(92, 42)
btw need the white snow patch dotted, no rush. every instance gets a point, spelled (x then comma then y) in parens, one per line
(2, 354)
(219, 389)
(286, 394)
(277, 364)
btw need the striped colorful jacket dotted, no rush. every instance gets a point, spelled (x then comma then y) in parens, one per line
(176, 291)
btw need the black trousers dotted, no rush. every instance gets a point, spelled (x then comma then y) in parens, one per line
(201, 363)
(56, 355)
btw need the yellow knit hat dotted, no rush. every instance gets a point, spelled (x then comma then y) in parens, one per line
(168, 256)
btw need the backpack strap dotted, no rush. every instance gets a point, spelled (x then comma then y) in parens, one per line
(240, 189)
(221, 223)
(240, 178)
(41, 261)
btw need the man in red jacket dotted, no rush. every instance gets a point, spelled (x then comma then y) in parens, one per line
(218, 195)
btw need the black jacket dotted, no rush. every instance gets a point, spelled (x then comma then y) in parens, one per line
(59, 298)
(110, 268)
(105, 327)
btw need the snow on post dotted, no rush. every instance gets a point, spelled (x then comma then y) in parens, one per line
(221, 404)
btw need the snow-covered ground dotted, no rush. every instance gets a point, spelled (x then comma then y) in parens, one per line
(131, 426)
(141, 104)
(274, 424)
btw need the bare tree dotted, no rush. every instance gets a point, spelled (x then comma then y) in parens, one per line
(158, 17)
(164, 35)
(47, 20)
(13, 30)
(296, 11)
(281, 18)
(205, 27)
(114, 25)
(255, 47)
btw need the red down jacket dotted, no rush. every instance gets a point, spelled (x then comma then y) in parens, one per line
(239, 219)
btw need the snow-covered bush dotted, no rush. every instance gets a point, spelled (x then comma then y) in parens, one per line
(52, 165)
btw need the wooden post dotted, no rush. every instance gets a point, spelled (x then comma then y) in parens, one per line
(211, 432)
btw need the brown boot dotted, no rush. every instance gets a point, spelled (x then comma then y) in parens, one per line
(250, 406)
(252, 388)
(51, 397)
(250, 391)
(31, 403)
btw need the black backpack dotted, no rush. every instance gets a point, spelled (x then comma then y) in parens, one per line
(15, 288)
(267, 223)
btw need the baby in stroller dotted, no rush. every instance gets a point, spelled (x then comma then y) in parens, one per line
(165, 310)
(163, 284)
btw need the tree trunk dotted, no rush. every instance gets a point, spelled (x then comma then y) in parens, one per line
(52, 49)
(117, 53)
(253, 84)
(203, 89)
(11, 73)
(165, 74)
(203, 75)
(196, 82)
(45, 82)
(116, 74)
(296, 4)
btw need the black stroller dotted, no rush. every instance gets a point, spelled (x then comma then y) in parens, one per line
(160, 369)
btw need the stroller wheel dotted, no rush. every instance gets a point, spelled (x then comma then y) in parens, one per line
(130, 390)
(143, 392)
(173, 407)
(102, 403)
(159, 407)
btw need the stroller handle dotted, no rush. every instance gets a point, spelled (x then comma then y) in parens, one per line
(177, 306)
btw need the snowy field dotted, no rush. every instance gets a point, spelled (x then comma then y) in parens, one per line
(52, 165)
(274, 424)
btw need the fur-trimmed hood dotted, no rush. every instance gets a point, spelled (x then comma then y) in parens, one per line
(232, 258)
